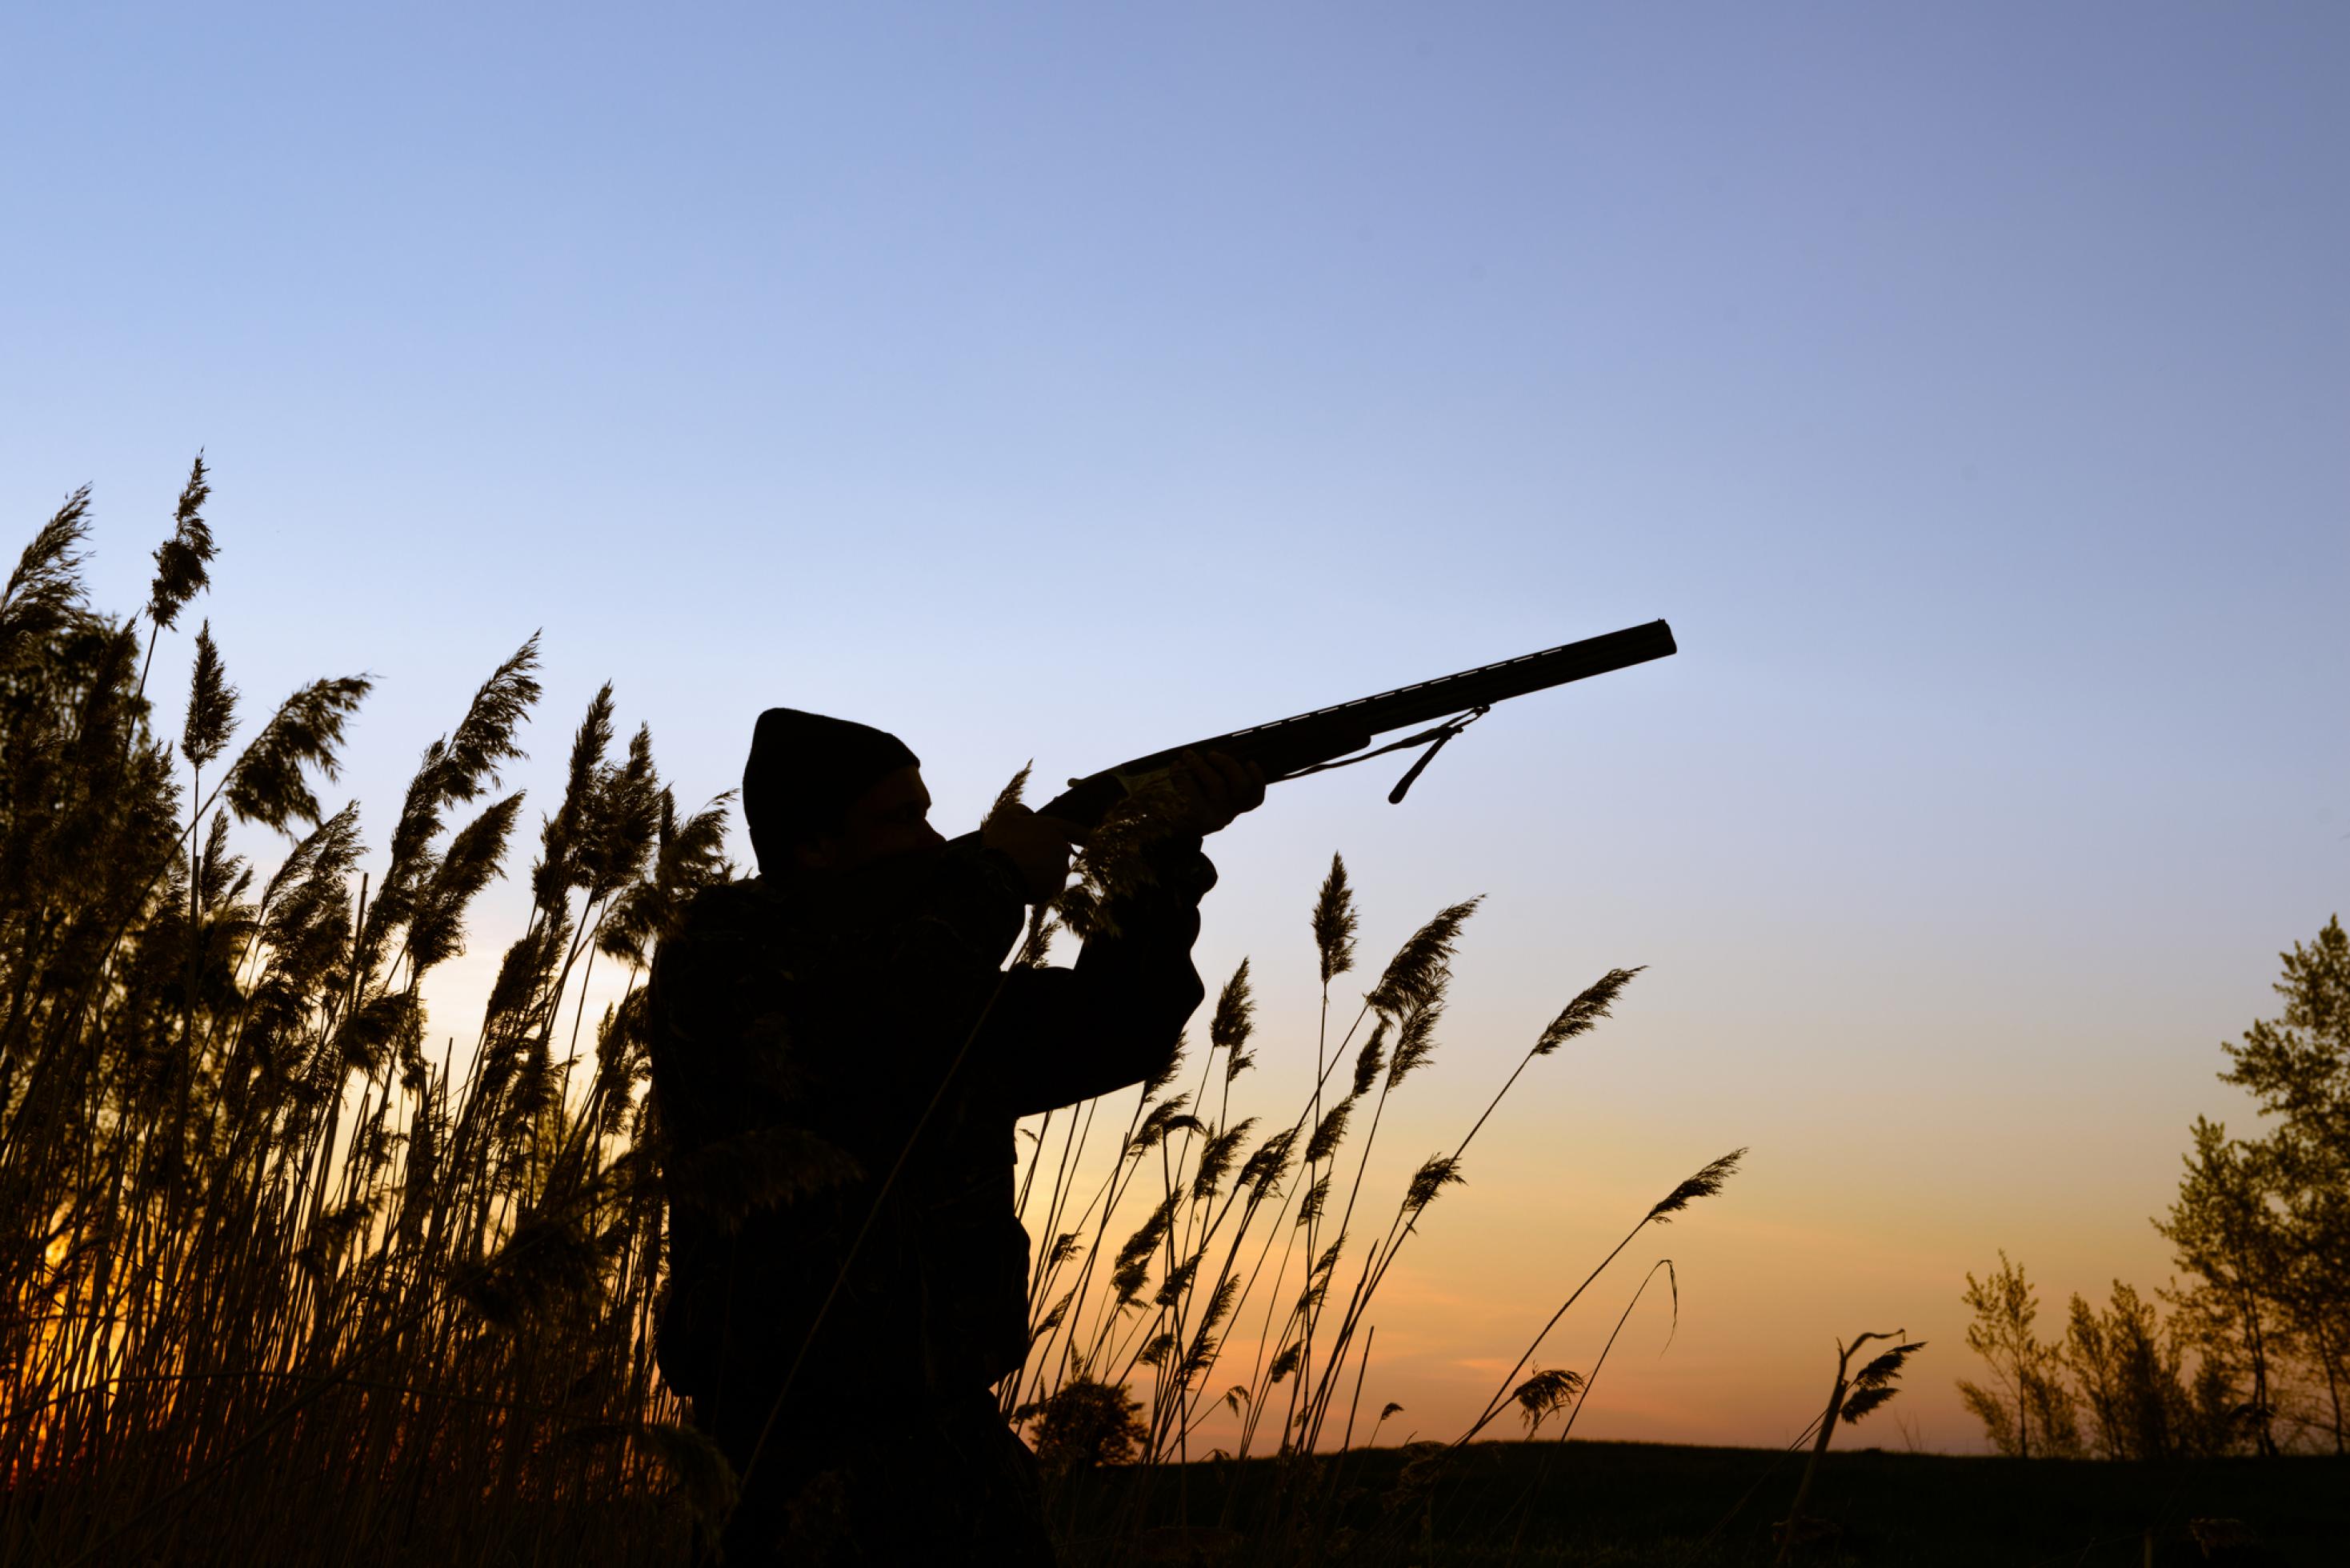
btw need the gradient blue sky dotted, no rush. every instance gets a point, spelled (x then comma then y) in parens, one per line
(1966, 384)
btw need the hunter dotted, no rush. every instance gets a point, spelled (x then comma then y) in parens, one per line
(843, 1015)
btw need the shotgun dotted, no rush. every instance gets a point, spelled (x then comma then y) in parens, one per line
(1316, 742)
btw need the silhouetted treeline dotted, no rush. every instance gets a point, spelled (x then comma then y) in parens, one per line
(2249, 1356)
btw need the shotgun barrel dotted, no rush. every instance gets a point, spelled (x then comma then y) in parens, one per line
(1287, 747)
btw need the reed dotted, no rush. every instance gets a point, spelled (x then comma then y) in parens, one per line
(1851, 1397)
(283, 1281)
(1212, 1236)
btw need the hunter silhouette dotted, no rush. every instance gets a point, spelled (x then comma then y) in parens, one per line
(803, 1023)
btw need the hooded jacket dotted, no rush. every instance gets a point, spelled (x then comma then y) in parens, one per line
(798, 1033)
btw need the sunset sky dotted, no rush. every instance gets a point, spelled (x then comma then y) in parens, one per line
(1967, 385)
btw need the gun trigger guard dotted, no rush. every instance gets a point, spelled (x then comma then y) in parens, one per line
(1403, 784)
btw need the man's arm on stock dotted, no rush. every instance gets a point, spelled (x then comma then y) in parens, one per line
(1116, 1017)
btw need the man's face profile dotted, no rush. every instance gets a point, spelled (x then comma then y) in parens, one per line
(892, 817)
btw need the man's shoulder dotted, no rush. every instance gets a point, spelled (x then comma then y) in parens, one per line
(729, 911)
(732, 928)
(964, 900)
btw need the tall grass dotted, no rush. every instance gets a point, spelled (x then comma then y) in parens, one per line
(1197, 1227)
(294, 1273)
(282, 1281)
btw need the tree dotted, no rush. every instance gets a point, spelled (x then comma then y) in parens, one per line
(2310, 1287)
(2130, 1373)
(2265, 1223)
(2030, 1398)
(2225, 1230)
(2297, 1065)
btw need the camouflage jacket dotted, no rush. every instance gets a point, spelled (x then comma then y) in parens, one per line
(797, 1039)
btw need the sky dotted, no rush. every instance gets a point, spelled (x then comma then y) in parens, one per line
(1966, 385)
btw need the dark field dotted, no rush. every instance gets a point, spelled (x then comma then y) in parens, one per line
(1638, 1503)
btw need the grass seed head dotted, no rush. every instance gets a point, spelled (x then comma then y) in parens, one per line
(1220, 1304)
(1216, 1157)
(1371, 1060)
(1420, 968)
(437, 929)
(1177, 1281)
(1167, 1118)
(1704, 1184)
(1415, 1042)
(1329, 1133)
(1134, 1257)
(1545, 1393)
(484, 737)
(1333, 922)
(212, 703)
(1309, 1207)
(1264, 1168)
(270, 783)
(1583, 1013)
(1010, 795)
(1873, 1385)
(1234, 1020)
(183, 561)
(1435, 1174)
(46, 589)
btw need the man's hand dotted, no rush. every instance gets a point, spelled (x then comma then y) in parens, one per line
(1038, 848)
(1212, 790)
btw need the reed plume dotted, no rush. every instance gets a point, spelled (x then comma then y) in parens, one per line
(183, 562)
(1335, 922)
(1543, 1394)
(212, 704)
(1706, 1183)
(1234, 1020)
(44, 590)
(1417, 974)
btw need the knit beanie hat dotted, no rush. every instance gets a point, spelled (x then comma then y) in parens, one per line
(805, 773)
